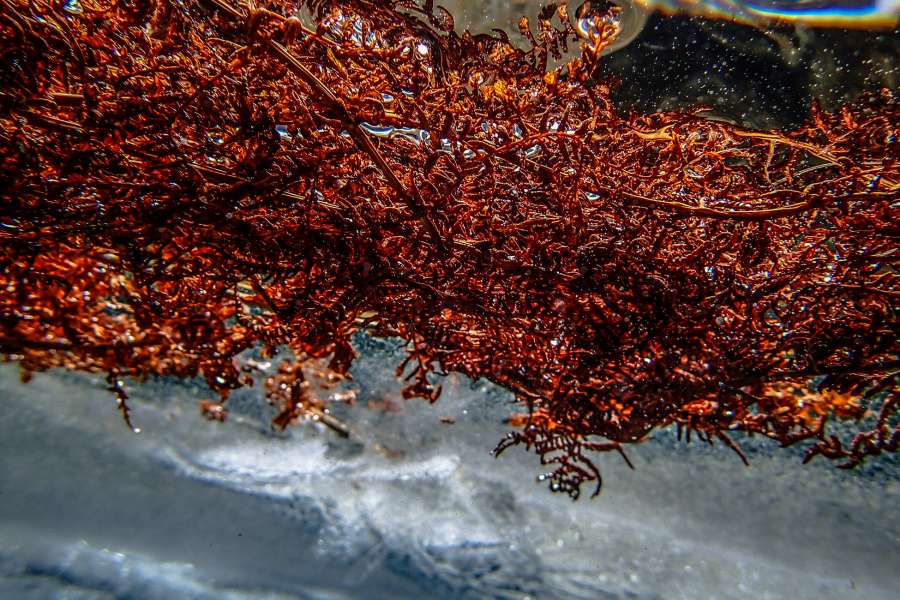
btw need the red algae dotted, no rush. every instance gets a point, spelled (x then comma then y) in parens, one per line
(182, 181)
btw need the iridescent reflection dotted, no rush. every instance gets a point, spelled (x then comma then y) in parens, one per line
(821, 13)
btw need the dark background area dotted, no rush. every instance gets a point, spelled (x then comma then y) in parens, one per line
(758, 77)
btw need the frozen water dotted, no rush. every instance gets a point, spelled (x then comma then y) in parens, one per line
(409, 507)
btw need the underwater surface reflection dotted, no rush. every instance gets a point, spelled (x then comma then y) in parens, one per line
(415, 508)
(829, 13)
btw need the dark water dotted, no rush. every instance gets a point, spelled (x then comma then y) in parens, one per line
(761, 77)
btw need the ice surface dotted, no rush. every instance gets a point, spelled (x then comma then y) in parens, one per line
(409, 507)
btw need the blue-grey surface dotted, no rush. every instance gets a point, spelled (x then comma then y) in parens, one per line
(408, 508)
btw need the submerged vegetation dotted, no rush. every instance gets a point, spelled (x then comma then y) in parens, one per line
(183, 180)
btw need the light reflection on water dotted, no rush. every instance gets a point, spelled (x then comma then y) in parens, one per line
(483, 16)
(408, 506)
(823, 13)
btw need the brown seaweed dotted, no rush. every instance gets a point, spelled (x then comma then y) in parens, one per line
(183, 180)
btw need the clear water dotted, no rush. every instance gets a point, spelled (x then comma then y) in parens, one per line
(408, 507)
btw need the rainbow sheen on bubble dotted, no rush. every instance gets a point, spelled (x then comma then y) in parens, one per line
(820, 13)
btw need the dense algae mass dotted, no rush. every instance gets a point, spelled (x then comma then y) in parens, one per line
(184, 182)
